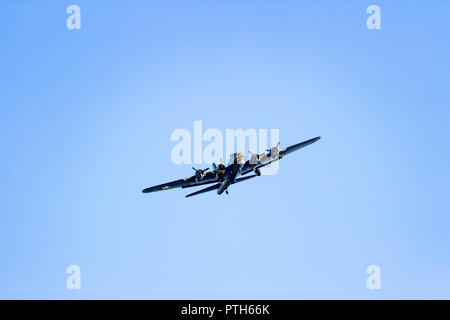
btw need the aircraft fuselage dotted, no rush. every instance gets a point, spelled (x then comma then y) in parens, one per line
(232, 172)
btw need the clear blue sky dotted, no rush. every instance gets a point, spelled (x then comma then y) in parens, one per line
(85, 123)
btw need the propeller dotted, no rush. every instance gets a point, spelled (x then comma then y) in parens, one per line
(278, 144)
(215, 166)
(254, 159)
(218, 167)
(200, 172)
(253, 154)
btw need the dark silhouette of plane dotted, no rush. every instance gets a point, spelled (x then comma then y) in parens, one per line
(224, 176)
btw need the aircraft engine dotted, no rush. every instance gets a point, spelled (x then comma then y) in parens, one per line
(255, 158)
(200, 174)
(274, 152)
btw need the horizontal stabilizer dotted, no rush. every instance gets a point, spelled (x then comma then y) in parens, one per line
(245, 178)
(211, 188)
(198, 184)
(217, 186)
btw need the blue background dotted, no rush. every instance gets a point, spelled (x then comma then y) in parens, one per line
(85, 123)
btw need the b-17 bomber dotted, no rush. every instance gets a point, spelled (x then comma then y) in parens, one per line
(236, 171)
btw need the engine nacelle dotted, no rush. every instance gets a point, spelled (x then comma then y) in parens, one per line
(274, 152)
(198, 177)
(200, 174)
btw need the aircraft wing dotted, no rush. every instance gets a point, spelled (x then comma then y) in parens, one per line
(297, 146)
(168, 185)
(247, 168)
(201, 183)
(183, 183)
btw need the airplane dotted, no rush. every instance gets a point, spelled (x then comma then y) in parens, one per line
(224, 176)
